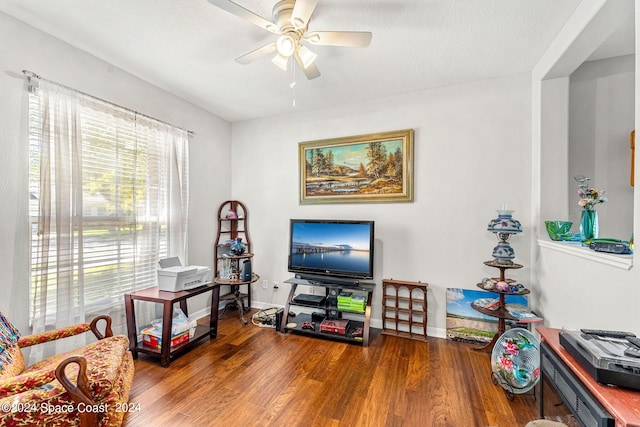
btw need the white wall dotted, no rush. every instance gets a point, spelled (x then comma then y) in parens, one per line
(572, 289)
(472, 145)
(22, 47)
(601, 117)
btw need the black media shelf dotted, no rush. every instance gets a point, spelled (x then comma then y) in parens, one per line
(331, 311)
(304, 317)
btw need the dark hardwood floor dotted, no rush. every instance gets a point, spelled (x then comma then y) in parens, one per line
(251, 376)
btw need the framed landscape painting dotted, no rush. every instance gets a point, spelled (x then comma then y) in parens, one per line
(358, 169)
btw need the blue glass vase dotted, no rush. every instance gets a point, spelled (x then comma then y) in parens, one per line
(237, 248)
(589, 225)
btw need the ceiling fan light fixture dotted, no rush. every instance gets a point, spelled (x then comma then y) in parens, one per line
(306, 56)
(286, 45)
(291, 23)
(281, 61)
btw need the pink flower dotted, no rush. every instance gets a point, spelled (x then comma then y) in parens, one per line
(589, 196)
(510, 347)
(506, 363)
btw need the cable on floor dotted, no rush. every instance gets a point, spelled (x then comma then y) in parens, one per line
(265, 318)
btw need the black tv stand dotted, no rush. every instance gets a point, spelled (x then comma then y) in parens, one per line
(318, 280)
(357, 331)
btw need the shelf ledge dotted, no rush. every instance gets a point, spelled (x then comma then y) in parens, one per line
(624, 262)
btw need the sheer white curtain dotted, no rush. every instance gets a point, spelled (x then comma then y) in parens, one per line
(59, 207)
(109, 197)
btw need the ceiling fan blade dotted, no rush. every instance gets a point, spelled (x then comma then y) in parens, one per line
(311, 71)
(302, 11)
(339, 38)
(246, 14)
(258, 53)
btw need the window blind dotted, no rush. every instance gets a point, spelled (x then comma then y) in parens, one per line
(122, 204)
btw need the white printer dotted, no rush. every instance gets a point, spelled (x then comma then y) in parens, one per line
(174, 277)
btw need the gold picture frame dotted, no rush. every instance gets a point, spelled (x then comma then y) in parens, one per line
(371, 168)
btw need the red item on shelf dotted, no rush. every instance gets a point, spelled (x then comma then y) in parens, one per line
(336, 326)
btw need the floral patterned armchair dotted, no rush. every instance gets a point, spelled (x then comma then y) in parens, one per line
(86, 387)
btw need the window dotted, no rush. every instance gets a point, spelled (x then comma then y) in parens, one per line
(108, 198)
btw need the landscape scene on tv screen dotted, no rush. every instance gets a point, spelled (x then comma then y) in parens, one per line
(338, 248)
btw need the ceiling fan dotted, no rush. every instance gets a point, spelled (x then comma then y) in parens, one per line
(291, 22)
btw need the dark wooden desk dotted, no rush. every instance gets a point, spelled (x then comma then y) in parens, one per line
(168, 299)
(623, 404)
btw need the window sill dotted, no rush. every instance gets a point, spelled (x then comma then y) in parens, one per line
(624, 262)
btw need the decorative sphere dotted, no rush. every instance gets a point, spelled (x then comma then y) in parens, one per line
(502, 286)
(488, 284)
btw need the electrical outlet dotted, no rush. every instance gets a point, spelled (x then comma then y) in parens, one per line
(265, 284)
(275, 284)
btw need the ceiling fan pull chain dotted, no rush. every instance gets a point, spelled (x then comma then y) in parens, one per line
(292, 85)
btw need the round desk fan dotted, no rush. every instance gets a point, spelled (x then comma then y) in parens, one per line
(515, 361)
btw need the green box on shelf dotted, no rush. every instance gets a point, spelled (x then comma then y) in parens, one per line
(358, 299)
(358, 303)
(352, 307)
(348, 301)
(344, 298)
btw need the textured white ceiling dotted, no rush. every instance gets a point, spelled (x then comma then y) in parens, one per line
(188, 47)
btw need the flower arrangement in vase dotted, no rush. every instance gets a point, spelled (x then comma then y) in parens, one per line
(589, 198)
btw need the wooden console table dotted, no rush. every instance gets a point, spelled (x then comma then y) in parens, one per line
(168, 299)
(590, 400)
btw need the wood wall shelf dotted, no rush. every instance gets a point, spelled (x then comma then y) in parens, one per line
(404, 309)
(231, 229)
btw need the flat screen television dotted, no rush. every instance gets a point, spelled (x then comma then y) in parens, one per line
(324, 249)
